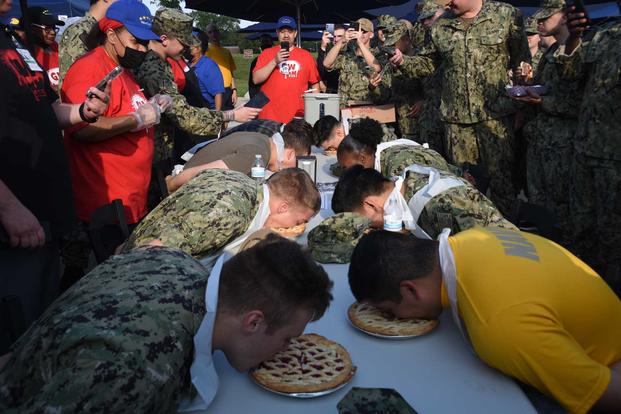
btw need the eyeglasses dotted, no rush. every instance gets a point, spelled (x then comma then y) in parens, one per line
(46, 29)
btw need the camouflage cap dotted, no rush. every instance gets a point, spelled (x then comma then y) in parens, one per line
(374, 401)
(174, 23)
(334, 239)
(394, 32)
(548, 8)
(530, 26)
(385, 20)
(426, 9)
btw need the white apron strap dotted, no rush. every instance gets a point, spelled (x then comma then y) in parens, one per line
(384, 145)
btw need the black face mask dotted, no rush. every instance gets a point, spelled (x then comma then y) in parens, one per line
(132, 58)
(188, 55)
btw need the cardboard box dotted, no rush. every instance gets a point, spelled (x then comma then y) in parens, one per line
(384, 114)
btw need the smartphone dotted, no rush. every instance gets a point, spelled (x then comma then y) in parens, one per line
(388, 50)
(110, 76)
(258, 101)
(284, 46)
(354, 26)
(330, 28)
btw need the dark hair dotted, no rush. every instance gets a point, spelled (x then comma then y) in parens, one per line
(323, 128)
(296, 186)
(356, 184)
(298, 134)
(92, 2)
(277, 277)
(364, 136)
(202, 37)
(382, 259)
(339, 27)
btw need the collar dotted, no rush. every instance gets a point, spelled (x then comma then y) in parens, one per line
(483, 15)
(279, 142)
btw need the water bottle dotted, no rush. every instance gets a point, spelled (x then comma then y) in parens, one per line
(393, 219)
(257, 171)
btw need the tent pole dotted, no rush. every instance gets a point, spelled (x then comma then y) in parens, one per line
(298, 17)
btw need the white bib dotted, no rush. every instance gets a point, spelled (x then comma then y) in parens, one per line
(384, 145)
(436, 185)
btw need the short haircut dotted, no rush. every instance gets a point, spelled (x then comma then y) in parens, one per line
(295, 186)
(202, 37)
(323, 129)
(93, 2)
(382, 259)
(339, 27)
(356, 184)
(298, 134)
(364, 136)
(277, 277)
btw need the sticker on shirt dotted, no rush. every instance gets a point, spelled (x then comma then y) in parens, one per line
(30, 61)
(289, 68)
(54, 76)
(138, 100)
(31, 81)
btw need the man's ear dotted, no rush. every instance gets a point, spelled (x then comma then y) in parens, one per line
(283, 207)
(290, 156)
(252, 321)
(164, 40)
(109, 35)
(409, 291)
(370, 203)
(340, 132)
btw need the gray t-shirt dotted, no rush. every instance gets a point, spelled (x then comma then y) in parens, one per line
(236, 150)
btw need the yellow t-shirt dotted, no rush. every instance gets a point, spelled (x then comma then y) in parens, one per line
(537, 313)
(225, 62)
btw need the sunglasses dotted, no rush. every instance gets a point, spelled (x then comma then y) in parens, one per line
(46, 29)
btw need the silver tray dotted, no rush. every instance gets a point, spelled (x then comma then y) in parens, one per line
(398, 337)
(308, 394)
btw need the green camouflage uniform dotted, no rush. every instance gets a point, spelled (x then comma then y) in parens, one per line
(353, 77)
(334, 239)
(417, 36)
(394, 160)
(155, 77)
(385, 20)
(530, 27)
(72, 47)
(595, 199)
(550, 136)
(475, 60)
(204, 215)
(374, 401)
(119, 341)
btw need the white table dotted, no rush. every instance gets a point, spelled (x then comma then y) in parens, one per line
(435, 373)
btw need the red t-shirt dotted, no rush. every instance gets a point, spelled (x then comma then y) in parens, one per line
(48, 59)
(287, 83)
(178, 69)
(118, 167)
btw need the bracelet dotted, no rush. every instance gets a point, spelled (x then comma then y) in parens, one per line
(228, 116)
(84, 118)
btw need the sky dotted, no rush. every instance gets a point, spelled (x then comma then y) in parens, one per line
(153, 7)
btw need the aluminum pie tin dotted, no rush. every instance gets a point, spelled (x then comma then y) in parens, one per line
(383, 336)
(307, 395)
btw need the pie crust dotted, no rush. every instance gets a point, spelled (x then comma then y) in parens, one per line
(329, 152)
(294, 231)
(311, 363)
(373, 320)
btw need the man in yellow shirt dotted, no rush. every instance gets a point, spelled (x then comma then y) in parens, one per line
(528, 307)
(227, 66)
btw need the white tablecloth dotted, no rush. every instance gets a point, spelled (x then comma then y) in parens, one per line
(435, 373)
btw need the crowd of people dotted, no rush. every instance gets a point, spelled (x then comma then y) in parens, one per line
(491, 110)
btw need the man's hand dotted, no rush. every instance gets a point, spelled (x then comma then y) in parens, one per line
(245, 114)
(96, 102)
(234, 97)
(22, 227)
(415, 109)
(326, 39)
(281, 56)
(532, 98)
(397, 59)
(577, 23)
(146, 116)
(374, 80)
(164, 101)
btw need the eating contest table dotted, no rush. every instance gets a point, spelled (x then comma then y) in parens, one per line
(435, 373)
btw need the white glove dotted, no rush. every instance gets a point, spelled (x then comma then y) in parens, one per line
(164, 101)
(146, 116)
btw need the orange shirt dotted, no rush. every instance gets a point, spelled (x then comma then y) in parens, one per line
(118, 167)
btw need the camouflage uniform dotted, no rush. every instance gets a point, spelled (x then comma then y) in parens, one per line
(72, 47)
(121, 340)
(353, 77)
(334, 239)
(475, 59)
(204, 215)
(595, 190)
(458, 208)
(374, 401)
(156, 77)
(385, 20)
(530, 27)
(550, 136)
(395, 159)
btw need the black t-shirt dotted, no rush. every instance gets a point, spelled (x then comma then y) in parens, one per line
(33, 163)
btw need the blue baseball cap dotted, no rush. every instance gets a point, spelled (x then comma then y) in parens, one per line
(135, 16)
(286, 21)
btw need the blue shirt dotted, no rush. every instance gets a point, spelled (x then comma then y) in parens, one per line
(209, 79)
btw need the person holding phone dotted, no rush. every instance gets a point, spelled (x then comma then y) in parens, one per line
(286, 72)
(355, 61)
(329, 78)
(595, 202)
